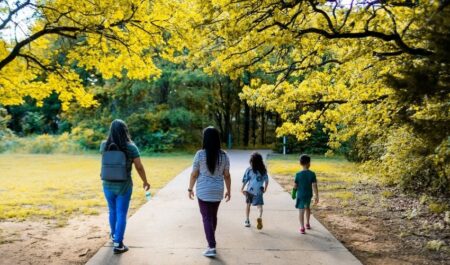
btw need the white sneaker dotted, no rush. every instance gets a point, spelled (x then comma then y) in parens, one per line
(247, 223)
(210, 252)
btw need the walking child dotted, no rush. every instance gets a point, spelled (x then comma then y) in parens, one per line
(305, 183)
(256, 180)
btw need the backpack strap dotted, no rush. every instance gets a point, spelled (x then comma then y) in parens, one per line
(116, 148)
(114, 145)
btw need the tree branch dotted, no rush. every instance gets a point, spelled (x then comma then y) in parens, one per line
(12, 13)
(16, 50)
(333, 33)
(33, 59)
(255, 60)
(339, 101)
(365, 34)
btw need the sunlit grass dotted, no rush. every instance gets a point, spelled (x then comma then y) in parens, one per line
(54, 186)
(343, 195)
(334, 175)
(329, 169)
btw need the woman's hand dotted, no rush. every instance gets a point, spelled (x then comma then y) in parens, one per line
(227, 196)
(140, 169)
(192, 180)
(191, 194)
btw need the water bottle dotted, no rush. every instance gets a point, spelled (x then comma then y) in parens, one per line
(148, 195)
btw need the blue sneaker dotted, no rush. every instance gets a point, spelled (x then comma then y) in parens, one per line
(210, 252)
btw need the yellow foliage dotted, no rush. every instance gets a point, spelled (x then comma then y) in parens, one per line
(330, 62)
(111, 38)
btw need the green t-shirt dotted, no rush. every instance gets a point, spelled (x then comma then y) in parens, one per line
(304, 180)
(122, 187)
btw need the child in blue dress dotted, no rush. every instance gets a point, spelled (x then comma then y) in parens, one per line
(256, 180)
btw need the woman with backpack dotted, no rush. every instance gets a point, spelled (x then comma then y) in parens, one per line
(211, 168)
(119, 153)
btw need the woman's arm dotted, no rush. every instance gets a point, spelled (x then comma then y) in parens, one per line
(193, 179)
(227, 178)
(141, 171)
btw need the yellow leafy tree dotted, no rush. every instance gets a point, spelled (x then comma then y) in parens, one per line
(342, 63)
(111, 38)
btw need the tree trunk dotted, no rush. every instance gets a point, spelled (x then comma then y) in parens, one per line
(278, 120)
(237, 126)
(263, 127)
(164, 90)
(218, 116)
(227, 109)
(246, 123)
(254, 121)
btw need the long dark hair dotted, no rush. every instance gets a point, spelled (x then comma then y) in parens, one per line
(119, 135)
(211, 145)
(257, 163)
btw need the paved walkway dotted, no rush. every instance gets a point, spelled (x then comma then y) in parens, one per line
(168, 230)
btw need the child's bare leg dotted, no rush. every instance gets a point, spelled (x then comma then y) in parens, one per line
(247, 211)
(260, 208)
(308, 215)
(301, 217)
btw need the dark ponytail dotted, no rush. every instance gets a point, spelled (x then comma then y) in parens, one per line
(211, 145)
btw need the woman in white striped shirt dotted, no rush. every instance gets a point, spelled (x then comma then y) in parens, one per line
(210, 170)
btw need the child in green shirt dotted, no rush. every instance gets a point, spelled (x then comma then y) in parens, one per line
(305, 183)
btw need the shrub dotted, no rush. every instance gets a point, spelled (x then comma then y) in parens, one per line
(412, 161)
(6, 135)
(146, 133)
(87, 138)
(67, 145)
(316, 143)
(43, 144)
(161, 141)
(32, 123)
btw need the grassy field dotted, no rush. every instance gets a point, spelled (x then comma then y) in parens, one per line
(334, 175)
(57, 186)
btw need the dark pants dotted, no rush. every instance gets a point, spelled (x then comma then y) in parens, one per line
(209, 215)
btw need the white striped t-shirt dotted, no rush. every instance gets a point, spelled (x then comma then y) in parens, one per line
(210, 187)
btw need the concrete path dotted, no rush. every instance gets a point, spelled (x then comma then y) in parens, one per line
(168, 230)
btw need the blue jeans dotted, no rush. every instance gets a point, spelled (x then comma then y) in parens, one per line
(118, 209)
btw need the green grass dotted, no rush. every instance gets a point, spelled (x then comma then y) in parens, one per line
(328, 169)
(57, 186)
(334, 175)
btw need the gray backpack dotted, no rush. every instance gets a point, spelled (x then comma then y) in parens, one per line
(114, 164)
